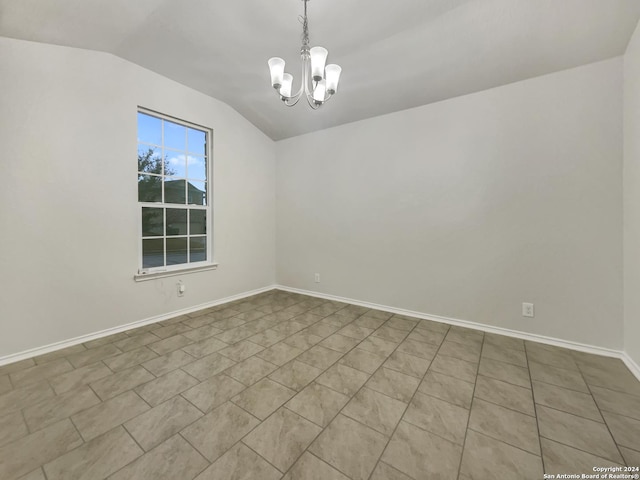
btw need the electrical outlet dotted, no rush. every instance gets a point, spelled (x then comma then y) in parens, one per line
(317, 278)
(527, 310)
(181, 288)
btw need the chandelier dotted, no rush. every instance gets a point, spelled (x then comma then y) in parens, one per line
(319, 82)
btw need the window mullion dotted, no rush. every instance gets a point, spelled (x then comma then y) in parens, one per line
(164, 235)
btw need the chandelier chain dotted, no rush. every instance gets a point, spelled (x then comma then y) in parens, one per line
(305, 26)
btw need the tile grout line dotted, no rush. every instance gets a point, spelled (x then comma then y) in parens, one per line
(473, 395)
(506, 408)
(576, 414)
(320, 459)
(624, 460)
(205, 414)
(244, 410)
(159, 325)
(260, 422)
(614, 391)
(84, 442)
(579, 449)
(287, 386)
(559, 386)
(295, 413)
(11, 382)
(535, 409)
(209, 462)
(338, 413)
(503, 363)
(484, 434)
(140, 397)
(580, 416)
(97, 396)
(408, 403)
(196, 407)
(179, 394)
(140, 414)
(346, 403)
(24, 419)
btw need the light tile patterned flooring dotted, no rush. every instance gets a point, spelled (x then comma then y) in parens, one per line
(282, 385)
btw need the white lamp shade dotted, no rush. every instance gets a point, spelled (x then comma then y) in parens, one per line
(319, 92)
(318, 59)
(285, 89)
(333, 76)
(276, 67)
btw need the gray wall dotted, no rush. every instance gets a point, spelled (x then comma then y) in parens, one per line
(68, 201)
(464, 208)
(469, 207)
(632, 198)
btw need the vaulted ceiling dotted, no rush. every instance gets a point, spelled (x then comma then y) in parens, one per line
(395, 54)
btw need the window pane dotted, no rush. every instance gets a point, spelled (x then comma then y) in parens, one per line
(152, 222)
(174, 191)
(197, 168)
(176, 221)
(149, 129)
(172, 180)
(175, 136)
(198, 246)
(149, 160)
(176, 251)
(149, 188)
(198, 222)
(197, 141)
(197, 193)
(176, 164)
(153, 253)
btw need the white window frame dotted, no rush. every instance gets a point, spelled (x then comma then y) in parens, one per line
(149, 273)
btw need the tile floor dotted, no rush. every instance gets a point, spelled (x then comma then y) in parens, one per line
(282, 385)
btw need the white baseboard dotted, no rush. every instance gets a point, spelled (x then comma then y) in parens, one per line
(15, 357)
(631, 364)
(479, 326)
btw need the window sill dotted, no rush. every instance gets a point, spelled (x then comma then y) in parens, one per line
(141, 277)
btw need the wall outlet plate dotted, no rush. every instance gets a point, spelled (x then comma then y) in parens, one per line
(527, 310)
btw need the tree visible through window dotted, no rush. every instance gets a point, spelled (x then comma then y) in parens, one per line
(172, 193)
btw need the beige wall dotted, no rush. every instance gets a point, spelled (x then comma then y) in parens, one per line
(469, 207)
(68, 210)
(632, 198)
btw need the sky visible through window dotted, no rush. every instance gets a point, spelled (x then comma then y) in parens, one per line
(184, 148)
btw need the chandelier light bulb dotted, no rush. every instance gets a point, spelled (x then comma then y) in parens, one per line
(319, 92)
(276, 67)
(318, 59)
(332, 75)
(287, 81)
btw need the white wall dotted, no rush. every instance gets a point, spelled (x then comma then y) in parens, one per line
(469, 207)
(68, 211)
(632, 198)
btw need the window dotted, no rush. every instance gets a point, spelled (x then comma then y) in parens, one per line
(173, 197)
